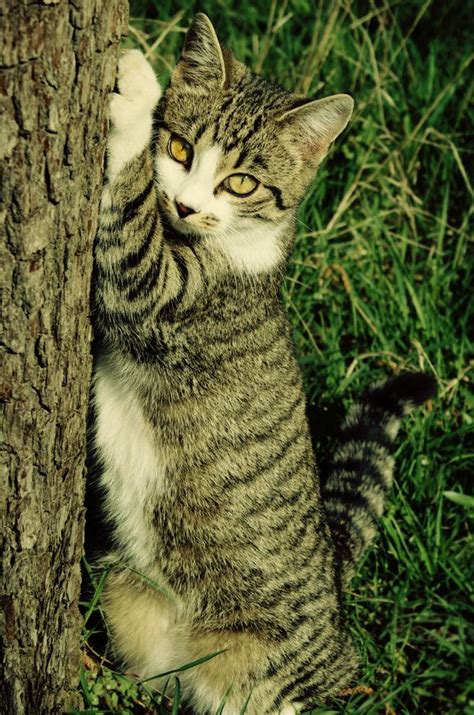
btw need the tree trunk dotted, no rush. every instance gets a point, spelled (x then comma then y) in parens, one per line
(57, 66)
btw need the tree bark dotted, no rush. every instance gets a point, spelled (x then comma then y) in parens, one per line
(57, 66)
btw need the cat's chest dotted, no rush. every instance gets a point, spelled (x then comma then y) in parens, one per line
(134, 468)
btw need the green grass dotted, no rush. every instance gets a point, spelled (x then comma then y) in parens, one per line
(380, 281)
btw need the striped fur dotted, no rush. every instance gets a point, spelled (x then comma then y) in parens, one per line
(361, 472)
(210, 485)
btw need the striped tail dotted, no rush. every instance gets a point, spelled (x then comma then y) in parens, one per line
(361, 471)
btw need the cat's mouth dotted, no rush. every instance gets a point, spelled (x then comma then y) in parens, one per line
(191, 226)
(195, 221)
(177, 230)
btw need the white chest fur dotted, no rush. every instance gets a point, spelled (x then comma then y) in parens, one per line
(134, 470)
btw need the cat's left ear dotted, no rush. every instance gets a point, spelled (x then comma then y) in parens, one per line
(201, 61)
(313, 125)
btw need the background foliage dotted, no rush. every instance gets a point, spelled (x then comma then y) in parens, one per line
(380, 282)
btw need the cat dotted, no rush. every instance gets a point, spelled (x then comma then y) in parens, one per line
(223, 540)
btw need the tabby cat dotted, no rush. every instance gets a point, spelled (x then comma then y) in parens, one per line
(222, 538)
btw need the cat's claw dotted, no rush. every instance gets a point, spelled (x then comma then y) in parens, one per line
(131, 110)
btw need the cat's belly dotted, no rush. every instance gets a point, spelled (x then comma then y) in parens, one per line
(133, 468)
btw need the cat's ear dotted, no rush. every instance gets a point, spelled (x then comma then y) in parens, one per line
(312, 125)
(201, 60)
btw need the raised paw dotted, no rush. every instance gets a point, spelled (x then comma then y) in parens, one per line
(131, 110)
(136, 81)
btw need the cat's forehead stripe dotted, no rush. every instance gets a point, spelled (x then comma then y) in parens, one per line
(200, 131)
(241, 158)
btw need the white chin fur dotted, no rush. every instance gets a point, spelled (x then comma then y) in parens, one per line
(251, 250)
(254, 250)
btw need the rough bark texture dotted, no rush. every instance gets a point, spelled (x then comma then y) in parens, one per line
(58, 64)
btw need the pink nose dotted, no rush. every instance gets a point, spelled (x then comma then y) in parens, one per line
(183, 210)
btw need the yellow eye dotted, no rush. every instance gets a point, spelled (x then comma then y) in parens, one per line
(240, 184)
(180, 150)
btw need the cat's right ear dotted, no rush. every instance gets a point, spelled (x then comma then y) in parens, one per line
(312, 125)
(201, 61)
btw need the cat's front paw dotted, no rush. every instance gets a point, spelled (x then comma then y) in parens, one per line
(138, 90)
(131, 110)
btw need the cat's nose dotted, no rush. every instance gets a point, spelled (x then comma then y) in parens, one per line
(183, 210)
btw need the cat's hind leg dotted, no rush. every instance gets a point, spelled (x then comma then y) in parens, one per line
(150, 637)
(236, 680)
(146, 631)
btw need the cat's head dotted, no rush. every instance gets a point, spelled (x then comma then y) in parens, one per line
(235, 153)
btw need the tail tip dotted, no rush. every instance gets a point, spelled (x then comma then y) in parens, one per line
(406, 391)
